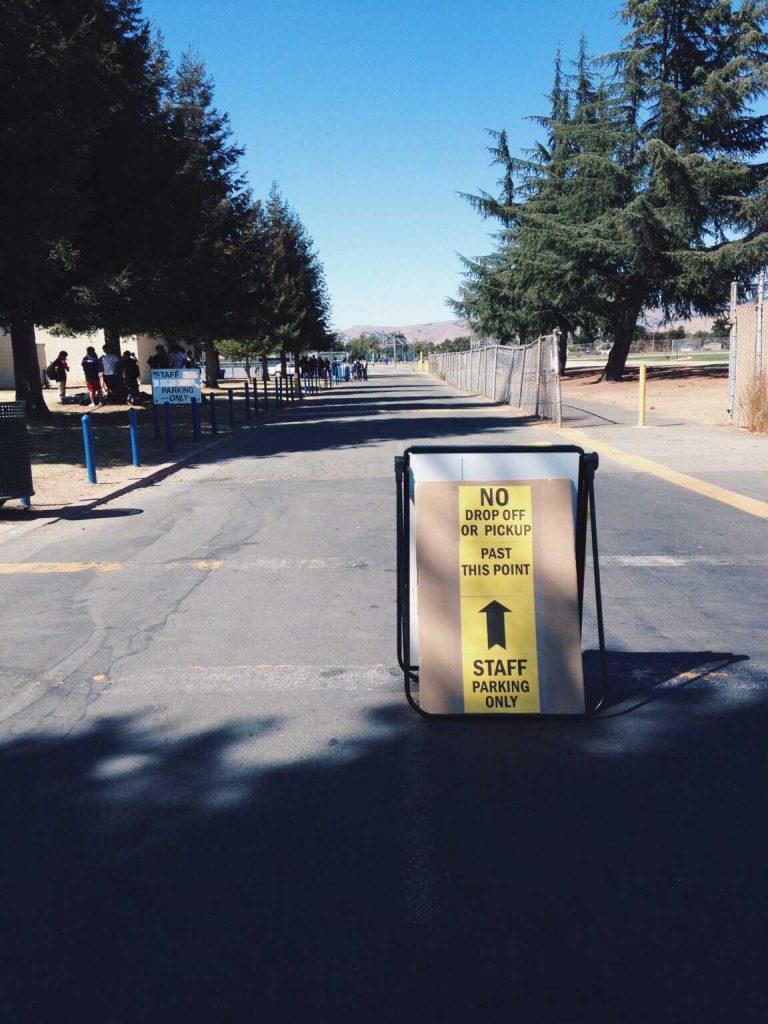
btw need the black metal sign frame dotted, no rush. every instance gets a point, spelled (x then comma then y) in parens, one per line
(585, 514)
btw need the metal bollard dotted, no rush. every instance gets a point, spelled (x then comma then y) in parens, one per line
(291, 395)
(277, 400)
(133, 430)
(168, 413)
(156, 420)
(214, 428)
(266, 394)
(90, 462)
(641, 397)
(197, 430)
(247, 401)
(231, 406)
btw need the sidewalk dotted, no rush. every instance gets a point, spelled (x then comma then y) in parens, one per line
(59, 476)
(723, 456)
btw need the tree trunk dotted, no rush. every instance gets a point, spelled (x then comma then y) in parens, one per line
(562, 346)
(211, 365)
(26, 369)
(297, 371)
(265, 366)
(247, 367)
(283, 364)
(623, 334)
(112, 338)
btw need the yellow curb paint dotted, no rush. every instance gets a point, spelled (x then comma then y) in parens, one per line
(9, 568)
(213, 563)
(752, 506)
(99, 677)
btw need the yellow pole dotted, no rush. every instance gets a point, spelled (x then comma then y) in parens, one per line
(641, 402)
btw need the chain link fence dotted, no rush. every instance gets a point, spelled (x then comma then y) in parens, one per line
(748, 365)
(524, 376)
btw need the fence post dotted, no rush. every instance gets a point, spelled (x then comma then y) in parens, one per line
(133, 430)
(168, 411)
(90, 462)
(156, 420)
(495, 364)
(732, 351)
(759, 331)
(231, 407)
(214, 425)
(522, 378)
(266, 393)
(538, 373)
(196, 428)
(247, 401)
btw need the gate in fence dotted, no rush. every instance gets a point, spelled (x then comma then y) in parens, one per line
(525, 376)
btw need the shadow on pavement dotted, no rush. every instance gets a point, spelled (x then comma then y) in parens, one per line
(66, 512)
(442, 871)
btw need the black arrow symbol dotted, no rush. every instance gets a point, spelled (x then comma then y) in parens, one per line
(497, 633)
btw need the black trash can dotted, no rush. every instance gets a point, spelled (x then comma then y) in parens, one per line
(15, 467)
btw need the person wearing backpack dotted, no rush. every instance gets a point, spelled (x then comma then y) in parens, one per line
(57, 371)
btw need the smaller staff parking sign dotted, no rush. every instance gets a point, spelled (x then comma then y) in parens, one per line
(176, 387)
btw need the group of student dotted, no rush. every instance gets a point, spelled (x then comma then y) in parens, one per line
(317, 366)
(113, 377)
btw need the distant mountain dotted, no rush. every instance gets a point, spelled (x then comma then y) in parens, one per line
(432, 333)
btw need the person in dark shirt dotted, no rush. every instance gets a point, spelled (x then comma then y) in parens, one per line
(159, 361)
(60, 371)
(131, 375)
(91, 370)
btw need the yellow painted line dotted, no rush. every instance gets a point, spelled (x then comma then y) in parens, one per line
(9, 568)
(752, 506)
(205, 563)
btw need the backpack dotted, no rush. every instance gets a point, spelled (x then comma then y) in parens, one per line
(50, 372)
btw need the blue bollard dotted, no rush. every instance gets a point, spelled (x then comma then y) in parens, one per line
(133, 430)
(214, 428)
(168, 408)
(156, 420)
(90, 462)
(247, 402)
(197, 431)
(231, 404)
(255, 398)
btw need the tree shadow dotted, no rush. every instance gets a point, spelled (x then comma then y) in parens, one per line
(438, 870)
(70, 512)
(392, 407)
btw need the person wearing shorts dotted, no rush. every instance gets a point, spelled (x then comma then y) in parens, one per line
(91, 371)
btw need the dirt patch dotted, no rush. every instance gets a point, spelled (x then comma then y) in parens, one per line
(695, 393)
(58, 462)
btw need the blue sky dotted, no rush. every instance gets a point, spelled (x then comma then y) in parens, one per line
(372, 119)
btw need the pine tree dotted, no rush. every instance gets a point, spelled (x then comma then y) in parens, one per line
(49, 57)
(209, 213)
(690, 72)
(299, 305)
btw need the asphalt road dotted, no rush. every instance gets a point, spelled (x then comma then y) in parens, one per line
(218, 807)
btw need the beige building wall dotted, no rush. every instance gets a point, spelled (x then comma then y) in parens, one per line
(49, 345)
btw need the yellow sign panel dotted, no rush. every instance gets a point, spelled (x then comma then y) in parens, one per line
(498, 613)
